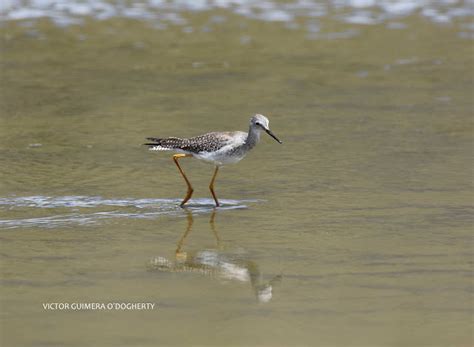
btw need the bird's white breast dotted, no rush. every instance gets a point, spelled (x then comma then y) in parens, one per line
(228, 154)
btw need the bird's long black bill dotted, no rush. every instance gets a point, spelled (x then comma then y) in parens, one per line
(273, 135)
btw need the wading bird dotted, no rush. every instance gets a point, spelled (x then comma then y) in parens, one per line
(219, 148)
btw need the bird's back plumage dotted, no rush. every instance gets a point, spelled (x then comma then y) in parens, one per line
(216, 147)
(210, 142)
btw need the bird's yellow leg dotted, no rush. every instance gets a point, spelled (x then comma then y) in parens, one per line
(190, 188)
(211, 186)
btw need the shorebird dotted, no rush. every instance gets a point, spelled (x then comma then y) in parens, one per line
(219, 148)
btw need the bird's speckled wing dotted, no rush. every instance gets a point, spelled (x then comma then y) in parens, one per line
(210, 142)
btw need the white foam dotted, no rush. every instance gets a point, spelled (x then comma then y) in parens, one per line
(365, 12)
(76, 210)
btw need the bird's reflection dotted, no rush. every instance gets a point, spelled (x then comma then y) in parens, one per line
(216, 263)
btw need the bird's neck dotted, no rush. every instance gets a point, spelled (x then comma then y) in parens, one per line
(253, 137)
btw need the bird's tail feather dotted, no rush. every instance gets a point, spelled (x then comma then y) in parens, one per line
(165, 144)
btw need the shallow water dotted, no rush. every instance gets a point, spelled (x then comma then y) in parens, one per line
(356, 231)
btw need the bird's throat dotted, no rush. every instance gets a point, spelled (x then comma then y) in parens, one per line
(253, 137)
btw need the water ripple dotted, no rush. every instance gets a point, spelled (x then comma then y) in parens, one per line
(78, 209)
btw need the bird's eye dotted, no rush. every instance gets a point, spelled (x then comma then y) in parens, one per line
(258, 123)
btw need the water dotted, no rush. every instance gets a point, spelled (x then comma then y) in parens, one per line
(356, 231)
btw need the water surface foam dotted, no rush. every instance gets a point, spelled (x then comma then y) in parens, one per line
(89, 210)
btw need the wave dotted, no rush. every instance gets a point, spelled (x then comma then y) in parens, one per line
(159, 12)
(77, 209)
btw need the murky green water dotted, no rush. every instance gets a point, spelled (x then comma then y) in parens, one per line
(357, 231)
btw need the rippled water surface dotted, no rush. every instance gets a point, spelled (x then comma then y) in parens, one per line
(357, 231)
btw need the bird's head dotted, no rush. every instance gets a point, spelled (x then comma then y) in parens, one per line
(260, 122)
